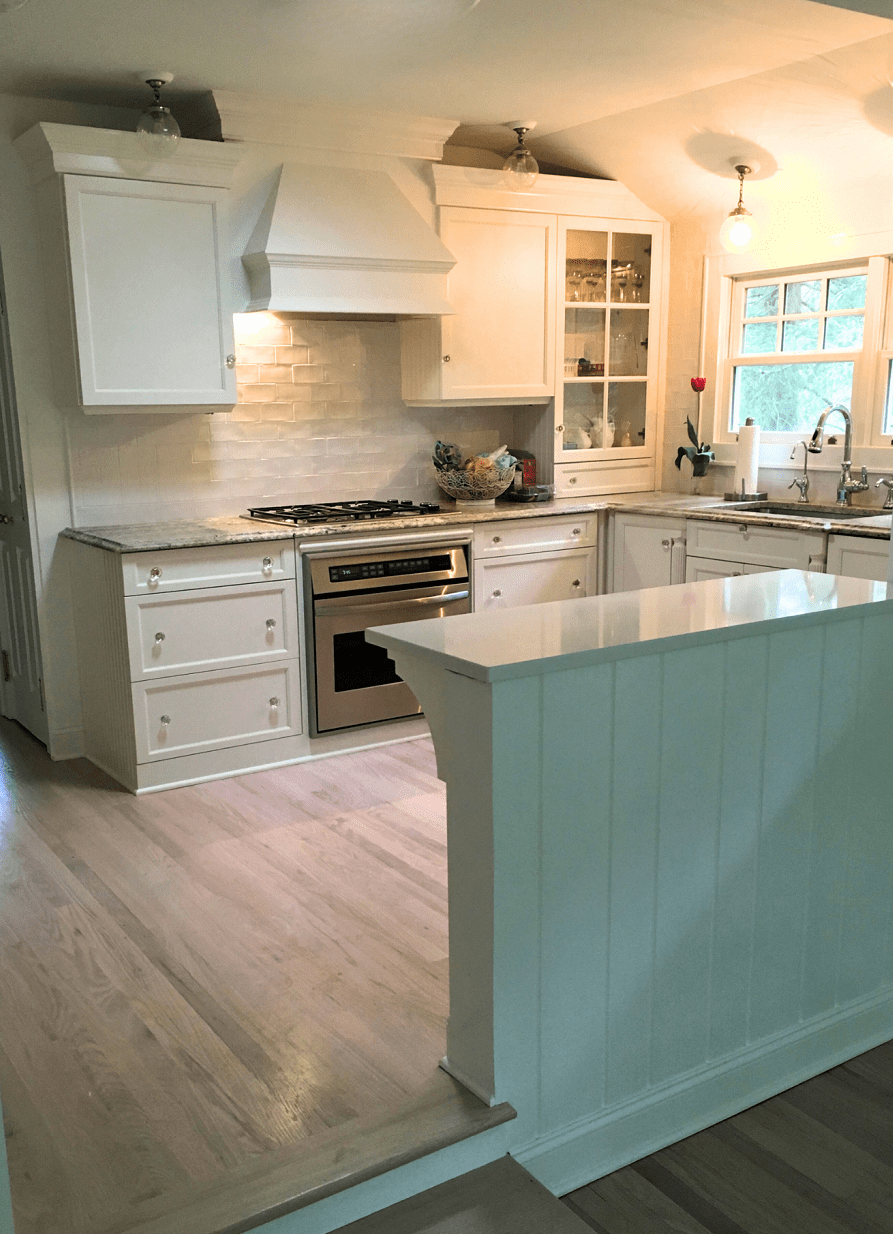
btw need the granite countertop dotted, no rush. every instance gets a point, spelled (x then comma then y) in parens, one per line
(235, 529)
(499, 644)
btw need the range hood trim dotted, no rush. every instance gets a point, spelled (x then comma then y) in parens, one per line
(320, 223)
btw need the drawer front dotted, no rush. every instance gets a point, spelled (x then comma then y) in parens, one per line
(210, 711)
(630, 475)
(215, 628)
(535, 535)
(748, 543)
(177, 569)
(534, 578)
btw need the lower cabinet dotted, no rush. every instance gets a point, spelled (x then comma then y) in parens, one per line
(858, 557)
(532, 561)
(647, 551)
(181, 681)
(720, 549)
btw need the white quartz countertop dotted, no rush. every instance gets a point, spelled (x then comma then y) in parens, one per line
(499, 644)
(235, 529)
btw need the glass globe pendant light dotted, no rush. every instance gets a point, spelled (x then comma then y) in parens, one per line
(156, 126)
(736, 232)
(520, 169)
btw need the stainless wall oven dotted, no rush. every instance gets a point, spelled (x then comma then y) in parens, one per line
(350, 681)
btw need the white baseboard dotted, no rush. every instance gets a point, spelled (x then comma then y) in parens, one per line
(591, 1148)
(65, 743)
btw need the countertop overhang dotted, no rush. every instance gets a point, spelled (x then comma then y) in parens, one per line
(500, 644)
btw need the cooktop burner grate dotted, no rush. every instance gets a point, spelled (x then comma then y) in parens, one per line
(340, 511)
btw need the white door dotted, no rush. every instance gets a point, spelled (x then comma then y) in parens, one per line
(648, 552)
(858, 557)
(21, 684)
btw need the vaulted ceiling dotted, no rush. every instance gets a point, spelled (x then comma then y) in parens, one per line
(661, 94)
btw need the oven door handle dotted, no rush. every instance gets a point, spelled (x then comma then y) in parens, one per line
(357, 610)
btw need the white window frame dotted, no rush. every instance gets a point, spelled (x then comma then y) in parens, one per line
(726, 275)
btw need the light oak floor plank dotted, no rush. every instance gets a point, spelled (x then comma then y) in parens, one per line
(196, 985)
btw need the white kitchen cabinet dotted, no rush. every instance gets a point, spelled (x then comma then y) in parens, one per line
(136, 270)
(532, 561)
(609, 338)
(699, 568)
(648, 551)
(858, 557)
(499, 343)
(747, 544)
(182, 681)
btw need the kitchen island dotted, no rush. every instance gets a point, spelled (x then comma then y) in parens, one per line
(670, 851)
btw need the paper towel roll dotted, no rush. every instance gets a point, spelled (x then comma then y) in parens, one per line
(748, 459)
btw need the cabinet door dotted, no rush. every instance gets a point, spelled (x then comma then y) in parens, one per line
(648, 552)
(610, 334)
(532, 578)
(699, 568)
(153, 317)
(858, 557)
(499, 342)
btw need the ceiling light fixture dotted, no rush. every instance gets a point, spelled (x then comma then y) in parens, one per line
(736, 232)
(156, 126)
(520, 169)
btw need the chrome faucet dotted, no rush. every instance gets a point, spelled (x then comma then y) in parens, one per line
(846, 485)
(802, 482)
(888, 500)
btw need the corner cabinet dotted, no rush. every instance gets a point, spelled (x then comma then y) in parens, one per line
(136, 262)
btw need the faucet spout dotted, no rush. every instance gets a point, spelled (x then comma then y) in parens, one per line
(846, 485)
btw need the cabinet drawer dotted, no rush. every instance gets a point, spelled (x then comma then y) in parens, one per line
(747, 543)
(176, 569)
(532, 578)
(535, 535)
(210, 711)
(630, 475)
(211, 628)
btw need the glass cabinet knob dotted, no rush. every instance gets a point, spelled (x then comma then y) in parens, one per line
(159, 637)
(666, 543)
(576, 531)
(271, 622)
(154, 574)
(268, 563)
(274, 701)
(575, 583)
(165, 720)
(497, 594)
(497, 539)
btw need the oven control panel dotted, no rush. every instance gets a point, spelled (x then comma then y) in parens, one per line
(388, 569)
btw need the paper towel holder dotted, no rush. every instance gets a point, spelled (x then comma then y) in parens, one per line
(744, 496)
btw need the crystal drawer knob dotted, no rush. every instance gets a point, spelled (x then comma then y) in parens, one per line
(572, 480)
(271, 622)
(497, 539)
(575, 583)
(665, 543)
(576, 531)
(154, 574)
(268, 563)
(159, 637)
(165, 720)
(230, 361)
(496, 595)
(274, 702)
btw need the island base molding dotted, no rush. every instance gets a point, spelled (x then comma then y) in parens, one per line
(599, 1145)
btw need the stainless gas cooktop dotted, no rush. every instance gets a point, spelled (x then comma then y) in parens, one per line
(339, 511)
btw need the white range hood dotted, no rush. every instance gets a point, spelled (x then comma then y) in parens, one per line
(341, 240)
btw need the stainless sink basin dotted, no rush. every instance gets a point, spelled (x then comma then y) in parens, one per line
(796, 509)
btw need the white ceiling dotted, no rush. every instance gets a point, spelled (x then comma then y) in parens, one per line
(658, 93)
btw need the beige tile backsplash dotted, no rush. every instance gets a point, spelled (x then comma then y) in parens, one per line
(319, 418)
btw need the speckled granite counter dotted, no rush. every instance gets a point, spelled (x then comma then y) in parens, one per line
(234, 529)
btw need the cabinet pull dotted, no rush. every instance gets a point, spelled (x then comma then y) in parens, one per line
(572, 480)
(446, 359)
(271, 622)
(560, 428)
(274, 701)
(154, 574)
(165, 720)
(666, 543)
(230, 361)
(268, 563)
(575, 583)
(496, 594)
(159, 637)
(497, 539)
(576, 531)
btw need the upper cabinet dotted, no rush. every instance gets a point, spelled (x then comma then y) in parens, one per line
(136, 270)
(498, 344)
(611, 333)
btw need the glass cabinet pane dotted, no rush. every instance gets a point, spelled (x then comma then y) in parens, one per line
(586, 264)
(628, 354)
(584, 342)
(630, 268)
(626, 413)
(583, 415)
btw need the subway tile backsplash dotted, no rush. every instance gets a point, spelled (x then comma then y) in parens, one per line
(319, 418)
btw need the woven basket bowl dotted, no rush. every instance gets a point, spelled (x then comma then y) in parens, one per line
(474, 486)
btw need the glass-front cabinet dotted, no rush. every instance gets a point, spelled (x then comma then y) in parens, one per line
(608, 336)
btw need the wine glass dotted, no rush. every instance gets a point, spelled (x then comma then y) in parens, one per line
(574, 279)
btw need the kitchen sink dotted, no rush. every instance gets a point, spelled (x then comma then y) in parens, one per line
(796, 509)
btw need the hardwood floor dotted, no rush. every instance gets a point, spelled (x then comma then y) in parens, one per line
(817, 1159)
(195, 979)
